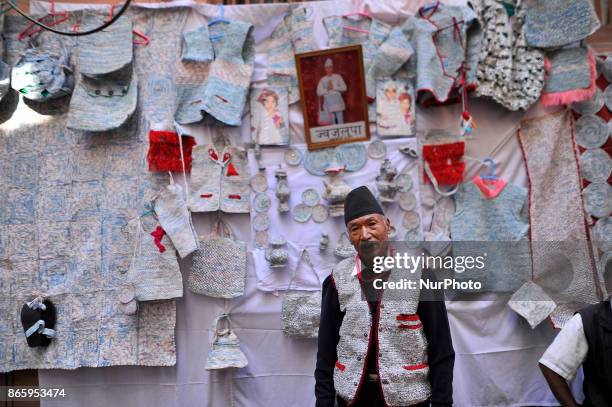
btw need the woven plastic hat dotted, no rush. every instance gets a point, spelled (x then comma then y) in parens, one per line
(39, 75)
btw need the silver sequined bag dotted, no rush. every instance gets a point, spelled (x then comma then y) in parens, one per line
(219, 266)
(301, 310)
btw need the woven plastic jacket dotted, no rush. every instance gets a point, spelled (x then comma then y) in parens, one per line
(219, 180)
(222, 95)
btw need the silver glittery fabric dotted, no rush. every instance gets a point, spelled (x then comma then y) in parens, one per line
(398, 349)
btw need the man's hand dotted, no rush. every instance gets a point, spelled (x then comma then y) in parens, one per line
(559, 387)
(330, 85)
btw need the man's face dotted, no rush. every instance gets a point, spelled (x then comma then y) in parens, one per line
(329, 70)
(369, 235)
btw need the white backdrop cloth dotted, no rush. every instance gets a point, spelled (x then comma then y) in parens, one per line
(306, 235)
(496, 351)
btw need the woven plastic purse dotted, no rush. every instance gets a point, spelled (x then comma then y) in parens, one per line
(301, 310)
(219, 266)
(225, 348)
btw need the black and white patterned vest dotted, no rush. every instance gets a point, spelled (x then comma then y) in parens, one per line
(402, 346)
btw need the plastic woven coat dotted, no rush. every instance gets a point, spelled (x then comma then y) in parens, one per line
(441, 54)
(217, 91)
(376, 32)
(556, 213)
(175, 219)
(225, 348)
(292, 35)
(219, 180)
(301, 310)
(508, 71)
(219, 267)
(554, 23)
(154, 271)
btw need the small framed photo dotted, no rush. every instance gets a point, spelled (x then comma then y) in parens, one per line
(269, 116)
(395, 108)
(333, 96)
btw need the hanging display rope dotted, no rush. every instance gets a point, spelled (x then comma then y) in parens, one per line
(70, 33)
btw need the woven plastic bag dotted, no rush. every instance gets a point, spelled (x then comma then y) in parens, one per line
(219, 266)
(225, 348)
(301, 310)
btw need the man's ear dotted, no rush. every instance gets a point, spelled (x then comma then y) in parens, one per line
(388, 221)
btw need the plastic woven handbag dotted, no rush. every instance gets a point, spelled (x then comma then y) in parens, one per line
(225, 348)
(219, 266)
(301, 310)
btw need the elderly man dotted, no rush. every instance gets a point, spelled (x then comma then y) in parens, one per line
(331, 87)
(365, 356)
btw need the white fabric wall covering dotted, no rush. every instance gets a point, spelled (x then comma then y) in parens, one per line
(496, 351)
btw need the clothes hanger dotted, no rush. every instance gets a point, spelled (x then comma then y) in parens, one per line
(358, 14)
(218, 20)
(221, 18)
(57, 18)
(429, 6)
(491, 176)
(143, 37)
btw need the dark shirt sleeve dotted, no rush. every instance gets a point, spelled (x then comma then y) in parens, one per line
(440, 352)
(329, 335)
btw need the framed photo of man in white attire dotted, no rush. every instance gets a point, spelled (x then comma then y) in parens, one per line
(333, 96)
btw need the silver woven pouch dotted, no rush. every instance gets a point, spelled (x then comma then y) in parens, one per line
(219, 266)
(301, 310)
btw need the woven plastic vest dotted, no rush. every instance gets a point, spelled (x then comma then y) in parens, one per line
(402, 346)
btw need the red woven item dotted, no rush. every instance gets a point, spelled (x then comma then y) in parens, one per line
(165, 154)
(231, 170)
(444, 162)
(157, 234)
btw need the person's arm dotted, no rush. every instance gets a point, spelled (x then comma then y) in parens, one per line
(559, 387)
(339, 85)
(561, 360)
(329, 335)
(440, 352)
(321, 90)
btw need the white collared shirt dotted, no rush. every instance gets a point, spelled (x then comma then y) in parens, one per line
(568, 351)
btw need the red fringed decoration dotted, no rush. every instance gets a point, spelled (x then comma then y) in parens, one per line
(165, 154)
(157, 234)
(231, 170)
(444, 162)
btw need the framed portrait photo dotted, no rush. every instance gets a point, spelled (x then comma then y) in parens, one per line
(333, 96)
(395, 108)
(269, 116)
